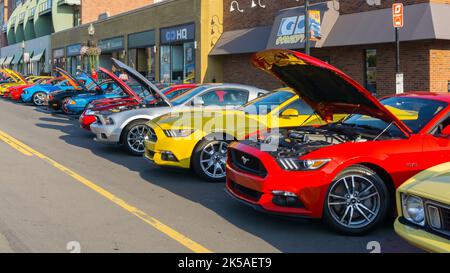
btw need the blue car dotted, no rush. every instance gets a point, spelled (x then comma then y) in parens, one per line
(77, 104)
(37, 94)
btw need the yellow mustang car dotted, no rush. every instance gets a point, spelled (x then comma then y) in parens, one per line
(423, 204)
(198, 139)
(16, 78)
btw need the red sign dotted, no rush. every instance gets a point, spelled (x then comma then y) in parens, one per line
(397, 15)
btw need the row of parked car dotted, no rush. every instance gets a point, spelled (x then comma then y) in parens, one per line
(324, 147)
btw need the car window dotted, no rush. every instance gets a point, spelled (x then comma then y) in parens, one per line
(300, 106)
(224, 97)
(414, 112)
(176, 93)
(267, 103)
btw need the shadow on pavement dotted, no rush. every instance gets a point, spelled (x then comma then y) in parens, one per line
(287, 235)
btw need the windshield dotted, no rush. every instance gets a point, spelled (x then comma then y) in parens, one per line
(189, 94)
(267, 103)
(414, 112)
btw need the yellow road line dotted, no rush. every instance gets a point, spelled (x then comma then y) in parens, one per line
(175, 235)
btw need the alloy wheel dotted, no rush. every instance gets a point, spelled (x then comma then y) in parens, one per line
(136, 138)
(213, 159)
(354, 202)
(64, 104)
(39, 99)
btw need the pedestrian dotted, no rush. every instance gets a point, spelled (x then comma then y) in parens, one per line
(123, 76)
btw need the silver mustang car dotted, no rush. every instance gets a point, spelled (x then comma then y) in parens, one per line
(126, 125)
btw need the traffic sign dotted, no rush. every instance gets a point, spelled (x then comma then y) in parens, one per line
(397, 15)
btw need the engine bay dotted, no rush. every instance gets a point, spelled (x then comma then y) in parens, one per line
(303, 140)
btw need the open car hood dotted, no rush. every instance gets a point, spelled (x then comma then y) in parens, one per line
(142, 80)
(128, 90)
(76, 84)
(325, 88)
(17, 77)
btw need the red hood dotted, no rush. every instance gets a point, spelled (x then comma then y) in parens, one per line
(122, 84)
(325, 88)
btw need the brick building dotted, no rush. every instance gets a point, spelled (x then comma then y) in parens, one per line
(92, 10)
(355, 37)
(6, 9)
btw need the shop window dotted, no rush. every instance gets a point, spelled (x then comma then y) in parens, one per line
(178, 63)
(225, 97)
(143, 60)
(371, 70)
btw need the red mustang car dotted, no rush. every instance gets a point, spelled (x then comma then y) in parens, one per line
(344, 172)
(135, 98)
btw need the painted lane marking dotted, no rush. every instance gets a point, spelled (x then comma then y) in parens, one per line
(175, 235)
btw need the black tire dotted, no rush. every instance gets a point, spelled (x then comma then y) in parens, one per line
(63, 106)
(127, 131)
(35, 98)
(367, 183)
(197, 158)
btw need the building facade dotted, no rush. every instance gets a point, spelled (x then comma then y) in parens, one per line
(93, 10)
(354, 36)
(168, 41)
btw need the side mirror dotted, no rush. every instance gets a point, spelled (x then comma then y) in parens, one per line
(197, 101)
(290, 113)
(446, 131)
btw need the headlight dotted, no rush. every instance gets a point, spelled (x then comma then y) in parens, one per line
(109, 121)
(294, 164)
(413, 209)
(179, 133)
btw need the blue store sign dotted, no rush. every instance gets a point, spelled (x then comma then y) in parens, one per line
(112, 44)
(178, 34)
(73, 50)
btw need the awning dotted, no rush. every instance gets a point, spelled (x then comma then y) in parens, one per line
(2, 60)
(422, 22)
(17, 58)
(37, 56)
(240, 41)
(8, 60)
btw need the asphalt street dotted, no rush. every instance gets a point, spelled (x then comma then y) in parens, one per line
(60, 191)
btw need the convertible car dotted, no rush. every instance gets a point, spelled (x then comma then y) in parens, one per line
(423, 206)
(126, 125)
(16, 92)
(344, 172)
(198, 138)
(38, 94)
(139, 96)
(16, 79)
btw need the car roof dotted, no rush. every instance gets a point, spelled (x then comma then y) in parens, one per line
(440, 96)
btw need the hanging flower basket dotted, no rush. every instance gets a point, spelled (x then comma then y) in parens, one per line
(90, 51)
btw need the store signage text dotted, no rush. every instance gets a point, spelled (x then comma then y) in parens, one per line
(110, 44)
(292, 29)
(181, 33)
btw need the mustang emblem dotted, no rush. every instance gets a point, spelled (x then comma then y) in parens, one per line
(245, 160)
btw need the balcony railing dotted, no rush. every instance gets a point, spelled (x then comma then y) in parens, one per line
(45, 7)
(22, 17)
(31, 13)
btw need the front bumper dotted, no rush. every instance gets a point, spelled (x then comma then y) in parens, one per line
(108, 134)
(257, 191)
(26, 97)
(86, 121)
(421, 238)
(181, 148)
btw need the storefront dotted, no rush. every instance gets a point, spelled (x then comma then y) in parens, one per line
(111, 48)
(141, 53)
(177, 57)
(59, 58)
(74, 60)
(37, 62)
(355, 38)
(167, 41)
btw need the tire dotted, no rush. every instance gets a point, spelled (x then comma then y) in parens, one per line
(38, 98)
(64, 103)
(134, 131)
(202, 158)
(352, 194)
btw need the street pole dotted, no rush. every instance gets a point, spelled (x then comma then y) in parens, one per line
(307, 30)
(397, 51)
